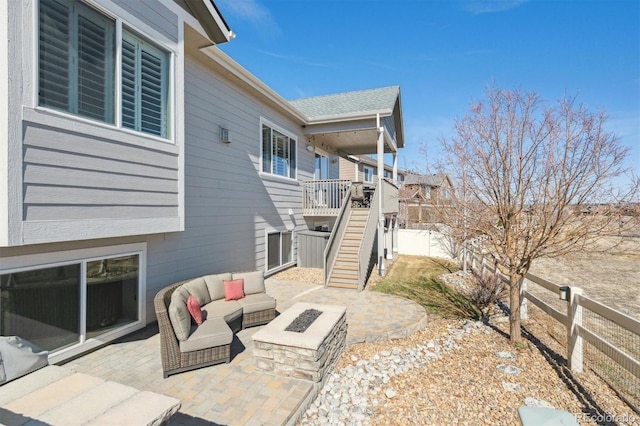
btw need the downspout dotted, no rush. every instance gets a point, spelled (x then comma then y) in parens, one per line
(380, 197)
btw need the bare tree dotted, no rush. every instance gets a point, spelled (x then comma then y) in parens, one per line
(525, 176)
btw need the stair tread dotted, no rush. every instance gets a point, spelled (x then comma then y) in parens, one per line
(348, 278)
(346, 267)
(341, 285)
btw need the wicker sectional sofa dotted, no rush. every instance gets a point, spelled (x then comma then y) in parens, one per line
(184, 345)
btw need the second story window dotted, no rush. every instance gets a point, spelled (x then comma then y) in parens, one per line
(77, 57)
(78, 68)
(278, 153)
(144, 86)
(367, 174)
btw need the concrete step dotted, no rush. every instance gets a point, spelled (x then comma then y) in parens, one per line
(56, 396)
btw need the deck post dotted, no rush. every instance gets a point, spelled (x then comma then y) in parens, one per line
(574, 341)
(380, 155)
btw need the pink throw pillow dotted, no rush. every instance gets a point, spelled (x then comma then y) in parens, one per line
(194, 309)
(233, 289)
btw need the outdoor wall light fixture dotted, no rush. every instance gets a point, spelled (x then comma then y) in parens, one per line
(310, 148)
(225, 136)
(564, 292)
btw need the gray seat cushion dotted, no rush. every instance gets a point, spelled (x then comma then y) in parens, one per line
(198, 288)
(178, 313)
(256, 302)
(227, 310)
(211, 333)
(19, 357)
(253, 281)
(215, 286)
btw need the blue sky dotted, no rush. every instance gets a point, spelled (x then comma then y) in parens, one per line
(443, 54)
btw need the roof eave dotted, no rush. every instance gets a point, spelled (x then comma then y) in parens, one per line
(366, 115)
(211, 20)
(235, 69)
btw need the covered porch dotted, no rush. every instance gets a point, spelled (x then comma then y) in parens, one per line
(351, 124)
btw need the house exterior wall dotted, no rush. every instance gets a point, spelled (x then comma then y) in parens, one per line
(196, 205)
(230, 204)
(72, 178)
(347, 169)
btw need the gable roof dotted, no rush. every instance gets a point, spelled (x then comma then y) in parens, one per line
(436, 180)
(356, 115)
(381, 100)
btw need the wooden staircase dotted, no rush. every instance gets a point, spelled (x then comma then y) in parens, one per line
(346, 267)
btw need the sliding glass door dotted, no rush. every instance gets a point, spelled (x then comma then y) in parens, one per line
(59, 306)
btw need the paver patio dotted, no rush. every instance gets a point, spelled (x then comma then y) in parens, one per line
(237, 393)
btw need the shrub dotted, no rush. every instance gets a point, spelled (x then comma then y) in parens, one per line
(485, 291)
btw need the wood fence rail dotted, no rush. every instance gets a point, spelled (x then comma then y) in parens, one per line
(577, 330)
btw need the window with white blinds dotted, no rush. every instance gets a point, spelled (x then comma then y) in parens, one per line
(77, 57)
(144, 86)
(278, 153)
(77, 69)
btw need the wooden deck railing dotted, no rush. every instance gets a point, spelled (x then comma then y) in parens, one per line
(365, 252)
(323, 197)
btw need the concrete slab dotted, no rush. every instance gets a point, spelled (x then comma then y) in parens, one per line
(16, 389)
(158, 408)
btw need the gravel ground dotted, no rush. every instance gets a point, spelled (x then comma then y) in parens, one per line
(465, 387)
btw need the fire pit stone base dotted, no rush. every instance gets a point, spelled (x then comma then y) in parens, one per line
(308, 355)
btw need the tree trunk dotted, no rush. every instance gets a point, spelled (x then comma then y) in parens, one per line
(514, 309)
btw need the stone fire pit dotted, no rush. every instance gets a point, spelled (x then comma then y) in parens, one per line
(305, 355)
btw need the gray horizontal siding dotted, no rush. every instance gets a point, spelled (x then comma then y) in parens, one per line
(68, 176)
(154, 14)
(229, 205)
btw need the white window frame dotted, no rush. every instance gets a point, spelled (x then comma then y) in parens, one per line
(29, 262)
(140, 30)
(266, 250)
(288, 134)
(364, 174)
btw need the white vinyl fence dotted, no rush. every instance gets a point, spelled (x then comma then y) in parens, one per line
(423, 242)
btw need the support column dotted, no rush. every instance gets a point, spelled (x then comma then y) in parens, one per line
(389, 240)
(395, 235)
(395, 167)
(380, 153)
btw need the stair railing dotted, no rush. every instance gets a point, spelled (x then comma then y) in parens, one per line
(365, 252)
(333, 244)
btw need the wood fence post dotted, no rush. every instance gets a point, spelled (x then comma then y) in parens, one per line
(574, 342)
(524, 313)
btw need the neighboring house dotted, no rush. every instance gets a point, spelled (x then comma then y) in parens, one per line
(365, 169)
(136, 154)
(419, 194)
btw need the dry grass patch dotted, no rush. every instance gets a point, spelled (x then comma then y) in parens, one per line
(416, 278)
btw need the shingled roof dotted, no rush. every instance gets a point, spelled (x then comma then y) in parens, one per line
(381, 100)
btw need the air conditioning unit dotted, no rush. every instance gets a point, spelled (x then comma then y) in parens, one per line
(225, 135)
